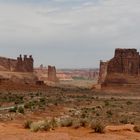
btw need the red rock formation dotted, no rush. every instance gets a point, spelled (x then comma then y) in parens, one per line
(123, 68)
(17, 65)
(24, 64)
(125, 61)
(102, 72)
(52, 74)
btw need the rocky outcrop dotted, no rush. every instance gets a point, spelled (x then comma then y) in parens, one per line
(125, 61)
(17, 71)
(17, 65)
(102, 72)
(52, 74)
(122, 69)
(24, 64)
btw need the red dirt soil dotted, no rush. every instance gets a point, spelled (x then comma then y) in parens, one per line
(14, 131)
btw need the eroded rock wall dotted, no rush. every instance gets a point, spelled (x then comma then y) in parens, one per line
(122, 69)
(52, 74)
(17, 65)
(125, 61)
(102, 72)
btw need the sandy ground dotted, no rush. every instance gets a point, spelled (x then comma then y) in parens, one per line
(13, 131)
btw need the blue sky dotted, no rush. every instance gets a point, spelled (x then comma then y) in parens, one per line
(68, 33)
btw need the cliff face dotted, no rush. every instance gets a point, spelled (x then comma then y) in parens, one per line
(17, 65)
(125, 61)
(102, 72)
(123, 68)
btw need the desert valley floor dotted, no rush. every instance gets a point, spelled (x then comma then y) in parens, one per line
(75, 110)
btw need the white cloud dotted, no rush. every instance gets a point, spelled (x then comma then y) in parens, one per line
(92, 26)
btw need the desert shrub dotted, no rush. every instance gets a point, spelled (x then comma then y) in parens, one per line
(42, 101)
(27, 124)
(38, 94)
(128, 102)
(56, 104)
(121, 107)
(124, 121)
(28, 105)
(14, 109)
(45, 126)
(34, 126)
(98, 127)
(106, 103)
(109, 113)
(17, 99)
(93, 108)
(137, 128)
(21, 110)
(66, 122)
(84, 122)
(99, 107)
(97, 98)
(112, 98)
(53, 123)
(31, 104)
(40, 125)
(132, 121)
(76, 124)
(97, 114)
(83, 115)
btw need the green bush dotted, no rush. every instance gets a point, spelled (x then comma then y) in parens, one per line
(14, 109)
(42, 101)
(21, 110)
(31, 104)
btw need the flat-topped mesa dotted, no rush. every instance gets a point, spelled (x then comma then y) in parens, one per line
(20, 64)
(123, 68)
(126, 53)
(52, 74)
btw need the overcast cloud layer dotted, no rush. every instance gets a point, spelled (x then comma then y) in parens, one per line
(68, 33)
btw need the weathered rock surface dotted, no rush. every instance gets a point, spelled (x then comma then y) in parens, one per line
(17, 65)
(18, 70)
(52, 74)
(122, 69)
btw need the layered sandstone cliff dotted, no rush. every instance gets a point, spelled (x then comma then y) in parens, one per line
(122, 69)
